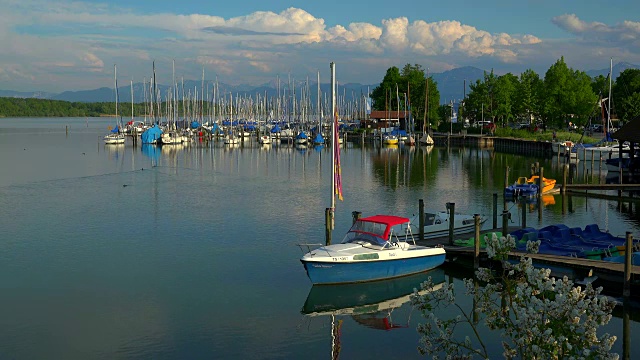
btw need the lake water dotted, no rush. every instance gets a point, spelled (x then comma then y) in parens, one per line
(190, 251)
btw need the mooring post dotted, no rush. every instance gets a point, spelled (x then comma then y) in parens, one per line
(523, 203)
(505, 222)
(495, 210)
(565, 175)
(452, 210)
(506, 177)
(356, 216)
(421, 219)
(540, 181)
(476, 243)
(540, 187)
(628, 253)
(328, 225)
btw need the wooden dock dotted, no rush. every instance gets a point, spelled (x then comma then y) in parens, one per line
(608, 274)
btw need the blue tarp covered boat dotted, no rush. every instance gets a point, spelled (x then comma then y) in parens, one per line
(151, 135)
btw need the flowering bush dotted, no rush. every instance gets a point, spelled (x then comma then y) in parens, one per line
(540, 317)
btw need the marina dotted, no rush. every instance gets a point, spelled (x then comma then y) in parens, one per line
(189, 251)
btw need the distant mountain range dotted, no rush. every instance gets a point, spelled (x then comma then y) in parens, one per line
(452, 84)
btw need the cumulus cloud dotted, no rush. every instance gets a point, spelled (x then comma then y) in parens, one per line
(627, 32)
(394, 34)
(86, 35)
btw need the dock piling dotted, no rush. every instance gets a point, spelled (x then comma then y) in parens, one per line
(356, 215)
(495, 210)
(328, 214)
(452, 210)
(628, 253)
(476, 243)
(421, 219)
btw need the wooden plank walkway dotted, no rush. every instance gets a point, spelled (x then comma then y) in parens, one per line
(567, 261)
(581, 264)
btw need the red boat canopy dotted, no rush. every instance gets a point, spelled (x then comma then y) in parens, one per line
(388, 221)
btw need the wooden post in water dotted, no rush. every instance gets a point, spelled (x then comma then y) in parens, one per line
(356, 215)
(505, 212)
(421, 219)
(506, 178)
(565, 175)
(505, 222)
(628, 253)
(523, 203)
(476, 243)
(452, 210)
(540, 186)
(328, 225)
(495, 210)
(66, 129)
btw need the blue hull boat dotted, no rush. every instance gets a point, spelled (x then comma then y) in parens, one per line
(375, 248)
(337, 273)
(521, 188)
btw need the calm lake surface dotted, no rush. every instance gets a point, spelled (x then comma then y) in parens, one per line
(189, 252)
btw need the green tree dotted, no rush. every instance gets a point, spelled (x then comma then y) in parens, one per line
(380, 94)
(568, 96)
(625, 95)
(505, 97)
(527, 100)
(413, 82)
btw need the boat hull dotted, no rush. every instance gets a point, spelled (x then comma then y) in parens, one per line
(321, 272)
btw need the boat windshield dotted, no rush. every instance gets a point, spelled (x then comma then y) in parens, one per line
(366, 231)
(360, 238)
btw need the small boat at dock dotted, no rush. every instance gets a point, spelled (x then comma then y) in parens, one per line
(436, 224)
(375, 248)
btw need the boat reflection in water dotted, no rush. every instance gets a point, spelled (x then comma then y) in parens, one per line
(367, 297)
(369, 304)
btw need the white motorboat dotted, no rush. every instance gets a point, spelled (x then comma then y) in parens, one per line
(375, 248)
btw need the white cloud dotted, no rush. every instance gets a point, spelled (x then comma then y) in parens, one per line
(394, 34)
(48, 38)
(625, 33)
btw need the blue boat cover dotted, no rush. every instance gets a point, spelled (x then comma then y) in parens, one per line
(150, 135)
(195, 124)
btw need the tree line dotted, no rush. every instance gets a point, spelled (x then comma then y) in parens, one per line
(563, 95)
(20, 107)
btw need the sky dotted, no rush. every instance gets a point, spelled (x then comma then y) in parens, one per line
(60, 45)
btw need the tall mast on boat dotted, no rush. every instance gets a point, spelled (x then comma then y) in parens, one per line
(115, 77)
(332, 66)
(608, 124)
(131, 99)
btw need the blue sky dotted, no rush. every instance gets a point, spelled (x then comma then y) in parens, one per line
(58, 45)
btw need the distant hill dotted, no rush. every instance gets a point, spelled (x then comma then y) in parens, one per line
(26, 95)
(451, 85)
(617, 69)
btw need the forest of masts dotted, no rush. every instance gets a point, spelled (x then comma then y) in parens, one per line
(296, 102)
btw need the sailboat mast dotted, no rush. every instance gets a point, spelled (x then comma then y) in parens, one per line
(608, 124)
(332, 66)
(115, 77)
(132, 99)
